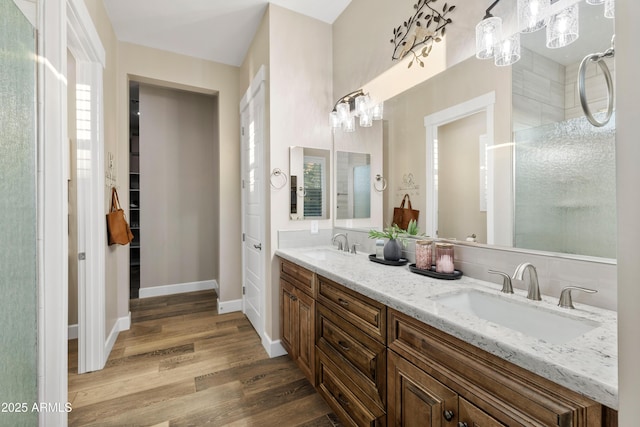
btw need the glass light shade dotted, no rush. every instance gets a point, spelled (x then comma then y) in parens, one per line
(334, 120)
(366, 119)
(362, 104)
(609, 8)
(508, 51)
(595, 1)
(531, 14)
(562, 29)
(343, 111)
(377, 111)
(488, 32)
(349, 125)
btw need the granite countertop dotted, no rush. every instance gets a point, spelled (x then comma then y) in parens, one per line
(587, 364)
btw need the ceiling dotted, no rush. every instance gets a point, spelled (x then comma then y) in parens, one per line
(216, 30)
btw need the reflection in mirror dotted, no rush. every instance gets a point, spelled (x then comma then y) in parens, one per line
(309, 183)
(353, 185)
(551, 185)
(462, 209)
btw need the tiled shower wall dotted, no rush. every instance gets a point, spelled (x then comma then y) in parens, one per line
(545, 91)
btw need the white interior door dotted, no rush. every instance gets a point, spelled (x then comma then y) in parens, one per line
(252, 137)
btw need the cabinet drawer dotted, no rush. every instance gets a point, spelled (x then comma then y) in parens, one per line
(301, 278)
(470, 416)
(345, 344)
(510, 394)
(345, 398)
(365, 313)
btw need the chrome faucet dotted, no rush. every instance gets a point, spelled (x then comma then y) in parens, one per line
(565, 296)
(533, 290)
(341, 247)
(507, 288)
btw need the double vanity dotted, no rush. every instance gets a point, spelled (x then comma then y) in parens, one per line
(385, 346)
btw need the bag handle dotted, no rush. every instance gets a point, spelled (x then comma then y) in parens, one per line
(115, 202)
(408, 199)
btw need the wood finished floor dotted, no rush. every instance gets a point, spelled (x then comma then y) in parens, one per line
(183, 364)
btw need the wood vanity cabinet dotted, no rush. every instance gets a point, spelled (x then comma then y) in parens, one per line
(351, 354)
(376, 366)
(449, 378)
(297, 316)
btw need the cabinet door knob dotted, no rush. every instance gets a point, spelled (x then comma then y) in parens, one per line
(294, 298)
(448, 415)
(343, 401)
(343, 303)
(461, 424)
(344, 345)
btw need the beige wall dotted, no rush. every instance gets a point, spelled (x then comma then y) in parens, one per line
(300, 75)
(183, 72)
(362, 48)
(628, 174)
(296, 51)
(178, 174)
(115, 269)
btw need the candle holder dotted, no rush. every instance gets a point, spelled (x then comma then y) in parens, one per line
(444, 258)
(424, 254)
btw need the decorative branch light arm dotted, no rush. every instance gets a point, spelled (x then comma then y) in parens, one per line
(416, 32)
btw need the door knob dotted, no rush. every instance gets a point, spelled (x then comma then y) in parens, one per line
(448, 415)
(258, 246)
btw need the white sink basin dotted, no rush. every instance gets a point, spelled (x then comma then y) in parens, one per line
(322, 254)
(555, 328)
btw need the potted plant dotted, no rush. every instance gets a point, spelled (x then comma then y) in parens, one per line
(393, 248)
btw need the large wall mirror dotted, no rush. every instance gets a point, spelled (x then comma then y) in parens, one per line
(309, 183)
(353, 185)
(542, 178)
(358, 161)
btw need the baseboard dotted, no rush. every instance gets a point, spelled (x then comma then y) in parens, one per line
(72, 333)
(229, 306)
(122, 324)
(157, 291)
(273, 348)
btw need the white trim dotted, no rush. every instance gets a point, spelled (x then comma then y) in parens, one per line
(179, 288)
(225, 307)
(52, 208)
(483, 103)
(253, 88)
(72, 332)
(122, 324)
(273, 348)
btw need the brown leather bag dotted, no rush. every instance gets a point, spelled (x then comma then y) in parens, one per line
(402, 216)
(118, 230)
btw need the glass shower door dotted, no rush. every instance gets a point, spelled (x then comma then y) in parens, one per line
(18, 245)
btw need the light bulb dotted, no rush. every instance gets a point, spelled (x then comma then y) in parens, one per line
(488, 32)
(508, 51)
(562, 29)
(531, 14)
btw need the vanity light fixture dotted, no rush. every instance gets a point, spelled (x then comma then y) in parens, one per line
(533, 15)
(352, 105)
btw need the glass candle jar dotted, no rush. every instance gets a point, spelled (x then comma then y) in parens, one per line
(444, 258)
(424, 251)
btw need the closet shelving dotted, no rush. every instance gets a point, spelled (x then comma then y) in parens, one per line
(134, 191)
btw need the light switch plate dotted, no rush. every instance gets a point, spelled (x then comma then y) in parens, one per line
(314, 227)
